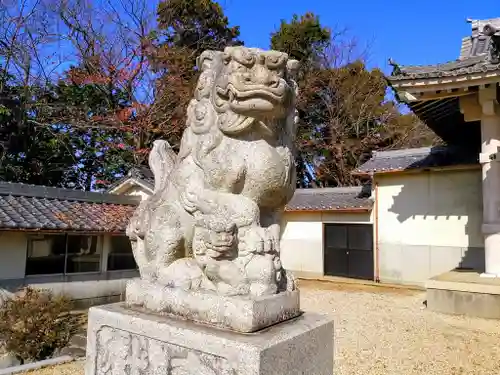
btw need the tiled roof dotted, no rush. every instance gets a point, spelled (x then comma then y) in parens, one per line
(477, 64)
(30, 207)
(139, 173)
(331, 199)
(474, 57)
(416, 158)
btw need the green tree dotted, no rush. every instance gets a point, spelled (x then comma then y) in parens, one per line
(303, 38)
(64, 134)
(72, 132)
(196, 25)
(29, 153)
(97, 118)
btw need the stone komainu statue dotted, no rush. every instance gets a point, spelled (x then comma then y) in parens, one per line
(219, 201)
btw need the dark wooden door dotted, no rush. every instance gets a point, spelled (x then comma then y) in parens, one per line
(348, 250)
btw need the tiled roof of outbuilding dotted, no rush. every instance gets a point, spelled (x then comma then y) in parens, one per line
(416, 158)
(30, 207)
(354, 198)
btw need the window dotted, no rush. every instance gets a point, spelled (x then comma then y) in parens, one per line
(63, 254)
(120, 255)
(46, 255)
(83, 254)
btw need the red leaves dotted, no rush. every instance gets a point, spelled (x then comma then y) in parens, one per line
(124, 114)
(80, 77)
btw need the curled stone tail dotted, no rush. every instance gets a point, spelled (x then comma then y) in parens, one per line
(162, 160)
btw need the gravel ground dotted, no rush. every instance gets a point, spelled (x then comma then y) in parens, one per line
(382, 331)
(71, 368)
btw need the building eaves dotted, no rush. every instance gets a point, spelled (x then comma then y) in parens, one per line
(456, 68)
(355, 198)
(144, 174)
(416, 158)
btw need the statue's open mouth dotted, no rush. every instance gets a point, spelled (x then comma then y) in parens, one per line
(252, 98)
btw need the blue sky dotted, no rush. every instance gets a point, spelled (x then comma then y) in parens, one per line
(423, 32)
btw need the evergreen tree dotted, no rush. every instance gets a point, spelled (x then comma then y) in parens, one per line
(186, 29)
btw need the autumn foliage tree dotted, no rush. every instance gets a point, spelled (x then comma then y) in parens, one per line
(343, 110)
(81, 127)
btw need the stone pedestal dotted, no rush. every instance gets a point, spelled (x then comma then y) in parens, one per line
(241, 314)
(123, 341)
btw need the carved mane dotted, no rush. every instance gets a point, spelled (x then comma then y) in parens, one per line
(207, 125)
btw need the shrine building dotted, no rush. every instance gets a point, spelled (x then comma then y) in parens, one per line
(459, 101)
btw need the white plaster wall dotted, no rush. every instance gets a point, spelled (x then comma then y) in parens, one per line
(302, 238)
(13, 247)
(428, 223)
(137, 191)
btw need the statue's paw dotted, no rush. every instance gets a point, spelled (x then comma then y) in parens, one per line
(148, 272)
(228, 277)
(286, 281)
(291, 281)
(183, 273)
(262, 289)
(225, 289)
(258, 240)
(261, 274)
(226, 271)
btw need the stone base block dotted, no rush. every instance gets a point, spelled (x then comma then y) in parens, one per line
(455, 302)
(236, 313)
(464, 293)
(123, 341)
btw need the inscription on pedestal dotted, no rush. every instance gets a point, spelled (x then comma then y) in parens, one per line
(120, 352)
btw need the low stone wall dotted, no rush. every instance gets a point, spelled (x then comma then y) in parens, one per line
(462, 292)
(415, 264)
(454, 302)
(85, 289)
